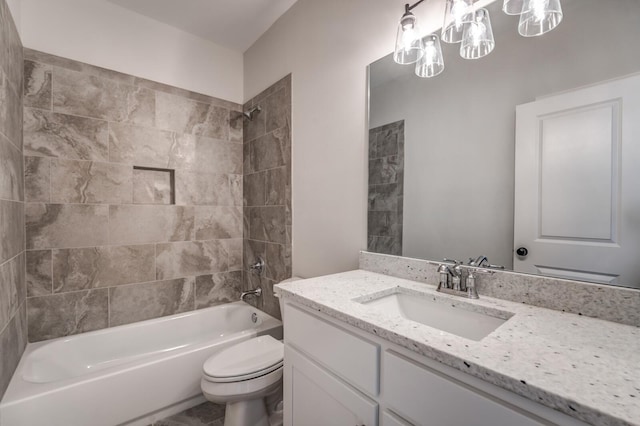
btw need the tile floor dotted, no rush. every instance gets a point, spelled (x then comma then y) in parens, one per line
(205, 414)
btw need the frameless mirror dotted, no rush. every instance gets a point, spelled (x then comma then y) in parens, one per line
(529, 156)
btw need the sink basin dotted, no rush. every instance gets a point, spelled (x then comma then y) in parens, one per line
(440, 313)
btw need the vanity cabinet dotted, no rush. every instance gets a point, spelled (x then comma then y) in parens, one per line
(338, 375)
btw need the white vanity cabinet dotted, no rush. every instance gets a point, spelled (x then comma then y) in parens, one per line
(338, 375)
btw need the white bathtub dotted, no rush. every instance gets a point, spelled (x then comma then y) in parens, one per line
(132, 374)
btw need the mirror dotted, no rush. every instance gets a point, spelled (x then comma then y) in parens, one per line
(529, 156)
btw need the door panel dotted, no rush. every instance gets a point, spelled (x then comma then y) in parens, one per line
(577, 201)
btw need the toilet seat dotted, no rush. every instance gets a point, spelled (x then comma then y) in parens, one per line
(247, 360)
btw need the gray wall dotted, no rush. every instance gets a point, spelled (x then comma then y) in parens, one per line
(13, 322)
(267, 191)
(459, 165)
(386, 178)
(105, 244)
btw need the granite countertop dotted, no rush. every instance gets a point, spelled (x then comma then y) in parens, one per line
(584, 367)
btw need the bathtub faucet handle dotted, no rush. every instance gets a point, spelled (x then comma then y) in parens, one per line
(257, 292)
(258, 266)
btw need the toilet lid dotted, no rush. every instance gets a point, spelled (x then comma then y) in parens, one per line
(244, 360)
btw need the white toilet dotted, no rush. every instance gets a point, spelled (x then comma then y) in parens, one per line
(241, 376)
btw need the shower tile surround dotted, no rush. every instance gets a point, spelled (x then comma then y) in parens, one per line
(107, 242)
(267, 192)
(386, 188)
(13, 320)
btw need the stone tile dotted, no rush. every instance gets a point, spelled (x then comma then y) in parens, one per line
(85, 95)
(39, 273)
(276, 108)
(139, 302)
(216, 156)
(236, 188)
(37, 179)
(66, 314)
(12, 288)
(270, 303)
(272, 150)
(149, 147)
(10, 111)
(276, 269)
(11, 229)
(11, 48)
(384, 170)
(387, 143)
(216, 289)
(218, 222)
(277, 186)
(80, 269)
(140, 224)
(384, 197)
(75, 181)
(199, 97)
(385, 245)
(11, 171)
(182, 115)
(255, 189)
(236, 119)
(203, 189)
(37, 85)
(59, 135)
(267, 224)
(233, 247)
(191, 258)
(384, 224)
(13, 340)
(66, 225)
(152, 187)
(373, 143)
(205, 414)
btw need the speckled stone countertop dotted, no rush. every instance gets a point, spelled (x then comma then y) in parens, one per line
(584, 367)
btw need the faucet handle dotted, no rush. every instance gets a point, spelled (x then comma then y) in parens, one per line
(455, 262)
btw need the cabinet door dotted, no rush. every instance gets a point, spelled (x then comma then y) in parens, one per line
(314, 397)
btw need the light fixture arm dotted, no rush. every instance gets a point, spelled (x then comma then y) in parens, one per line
(408, 8)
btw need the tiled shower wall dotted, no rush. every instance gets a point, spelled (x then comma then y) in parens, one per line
(386, 188)
(267, 191)
(13, 323)
(133, 198)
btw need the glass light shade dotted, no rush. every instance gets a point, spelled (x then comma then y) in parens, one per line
(432, 63)
(457, 14)
(513, 7)
(539, 17)
(477, 40)
(409, 47)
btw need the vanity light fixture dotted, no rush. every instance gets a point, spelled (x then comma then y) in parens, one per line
(469, 27)
(409, 45)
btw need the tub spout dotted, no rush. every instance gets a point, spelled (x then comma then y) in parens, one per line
(257, 293)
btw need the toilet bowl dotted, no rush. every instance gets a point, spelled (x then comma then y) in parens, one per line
(241, 377)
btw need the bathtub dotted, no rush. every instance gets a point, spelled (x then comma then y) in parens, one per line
(127, 375)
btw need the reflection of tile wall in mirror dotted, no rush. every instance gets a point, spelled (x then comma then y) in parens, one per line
(460, 126)
(386, 172)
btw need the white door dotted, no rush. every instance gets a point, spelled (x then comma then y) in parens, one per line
(577, 185)
(315, 397)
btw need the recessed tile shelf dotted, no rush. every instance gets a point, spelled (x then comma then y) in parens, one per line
(153, 185)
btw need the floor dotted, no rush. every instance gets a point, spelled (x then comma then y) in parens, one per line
(205, 414)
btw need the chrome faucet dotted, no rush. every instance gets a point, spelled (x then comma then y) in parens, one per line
(257, 293)
(482, 261)
(456, 285)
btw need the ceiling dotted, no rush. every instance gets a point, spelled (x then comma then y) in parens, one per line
(235, 24)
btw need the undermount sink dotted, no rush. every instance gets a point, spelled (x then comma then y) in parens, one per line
(440, 313)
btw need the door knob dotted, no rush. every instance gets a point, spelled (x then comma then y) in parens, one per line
(522, 251)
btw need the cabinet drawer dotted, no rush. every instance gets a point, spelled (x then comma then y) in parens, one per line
(426, 397)
(389, 419)
(349, 356)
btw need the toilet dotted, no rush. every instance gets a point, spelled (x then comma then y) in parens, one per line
(241, 376)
